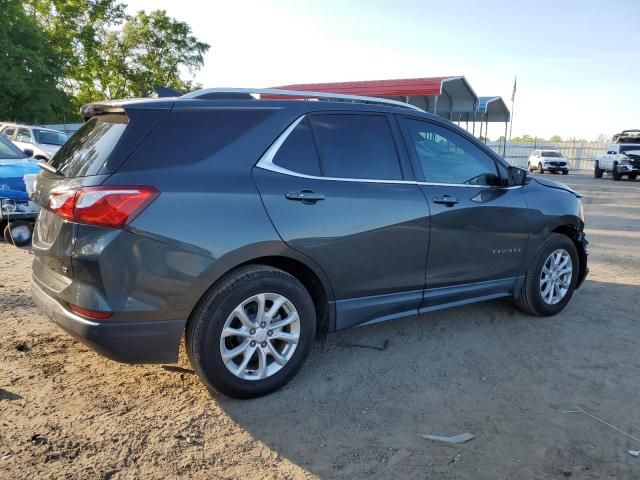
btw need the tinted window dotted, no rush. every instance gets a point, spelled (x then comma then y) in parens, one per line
(447, 157)
(9, 151)
(356, 146)
(551, 154)
(298, 152)
(87, 149)
(192, 135)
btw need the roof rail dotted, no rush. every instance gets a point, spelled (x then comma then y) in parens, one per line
(300, 93)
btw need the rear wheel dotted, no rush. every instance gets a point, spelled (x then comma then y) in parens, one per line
(551, 277)
(18, 233)
(614, 174)
(252, 332)
(633, 176)
(540, 169)
(597, 172)
(565, 172)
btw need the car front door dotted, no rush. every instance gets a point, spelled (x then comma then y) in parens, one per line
(338, 190)
(479, 228)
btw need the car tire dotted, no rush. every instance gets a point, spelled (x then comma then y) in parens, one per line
(18, 233)
(540, 169)
(597, 172)
(614, 173)
(530, 298)
(565, 172)
(242, 290)
(633, 176)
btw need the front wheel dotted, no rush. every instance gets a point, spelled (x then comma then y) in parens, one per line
(597, 171)
(616, 176)
(633, 176)
(551, 277)
(252, 332)
(540, 169)
(565, 172)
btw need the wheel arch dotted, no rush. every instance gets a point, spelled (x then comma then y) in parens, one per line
(290, 261)
(578, 238)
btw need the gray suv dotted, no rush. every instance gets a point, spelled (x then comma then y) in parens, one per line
(249, 225)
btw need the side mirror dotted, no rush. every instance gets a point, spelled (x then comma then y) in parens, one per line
(28, 152)
(518, 176)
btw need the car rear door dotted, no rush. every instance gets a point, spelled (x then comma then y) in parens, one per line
(479, 229)
(23, 138)
(338, 189)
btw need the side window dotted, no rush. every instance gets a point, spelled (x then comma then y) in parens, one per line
(298, 152)
(356, 146)
(8, 131)
(447, 157)
(24, 135)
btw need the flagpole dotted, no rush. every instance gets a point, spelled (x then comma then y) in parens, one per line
(513, 99)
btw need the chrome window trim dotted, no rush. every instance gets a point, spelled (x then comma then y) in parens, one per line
(266, 163)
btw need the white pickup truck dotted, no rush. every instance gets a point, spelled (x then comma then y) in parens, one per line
(622, 157)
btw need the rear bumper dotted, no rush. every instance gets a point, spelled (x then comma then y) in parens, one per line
(135, 342)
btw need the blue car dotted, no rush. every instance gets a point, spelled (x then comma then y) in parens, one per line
(17, 212)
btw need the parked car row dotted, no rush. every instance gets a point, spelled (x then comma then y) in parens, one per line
(39, 142)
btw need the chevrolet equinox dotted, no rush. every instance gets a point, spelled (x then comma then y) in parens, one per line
(251, 224)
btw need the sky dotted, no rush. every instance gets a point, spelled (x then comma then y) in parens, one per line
(577, 62)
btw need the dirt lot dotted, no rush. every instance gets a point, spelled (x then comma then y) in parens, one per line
(353, 412)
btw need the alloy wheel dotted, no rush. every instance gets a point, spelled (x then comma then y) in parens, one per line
(555, 278)
(260, 336)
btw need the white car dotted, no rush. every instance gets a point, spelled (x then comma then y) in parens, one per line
(43, 143)
(622, 157)
(548, 161)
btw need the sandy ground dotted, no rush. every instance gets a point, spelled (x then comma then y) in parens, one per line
(353, 412)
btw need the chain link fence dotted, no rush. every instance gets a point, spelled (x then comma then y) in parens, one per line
(580, 155)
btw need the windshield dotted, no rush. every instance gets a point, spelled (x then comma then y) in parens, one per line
(50, 137)
(9, 151)
(629, 148)
(552, 154)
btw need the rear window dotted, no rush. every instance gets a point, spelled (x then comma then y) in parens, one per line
(49, 137)
(87, 149)
(551, 154)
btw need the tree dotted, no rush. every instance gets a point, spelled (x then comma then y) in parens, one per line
(526, 138)
(102, 53)
(556, 138)
(77, 30)
(151, 49)
(30, 70)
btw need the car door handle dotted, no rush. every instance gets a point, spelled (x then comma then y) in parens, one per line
(306, 196)
(447, 200)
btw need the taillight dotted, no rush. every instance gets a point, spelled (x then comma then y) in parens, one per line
(105, 206)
